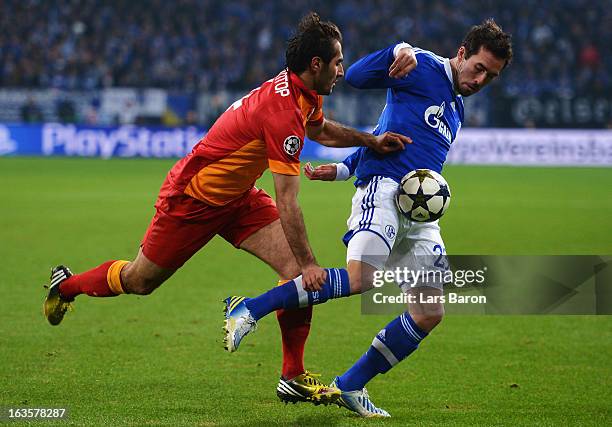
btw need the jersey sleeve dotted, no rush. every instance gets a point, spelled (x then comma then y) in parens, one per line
(352, 160)
(372, 72)
(316, 119)
(284, 138)
(346, 168)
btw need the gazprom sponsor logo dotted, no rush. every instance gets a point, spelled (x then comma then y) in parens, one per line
(7, 145)
(433, 117)
(124, 141)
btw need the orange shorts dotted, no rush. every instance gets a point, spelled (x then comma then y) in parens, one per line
(182, 225)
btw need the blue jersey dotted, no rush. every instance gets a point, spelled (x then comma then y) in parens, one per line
(423, 105)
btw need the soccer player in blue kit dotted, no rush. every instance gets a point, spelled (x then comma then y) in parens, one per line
(424, 102)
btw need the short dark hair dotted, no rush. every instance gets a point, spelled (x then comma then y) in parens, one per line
(490, 36)
(313, 38)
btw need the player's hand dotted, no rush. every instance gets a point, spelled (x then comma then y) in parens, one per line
(389, 142)
(404, 63)
(313, 277)
(320, 173)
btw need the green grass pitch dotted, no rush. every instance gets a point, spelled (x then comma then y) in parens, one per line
(158, 360)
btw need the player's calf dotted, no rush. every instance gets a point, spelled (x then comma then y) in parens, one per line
(361, 276)
(101, 281)
(396, 341)
(139, 285)
(142, 276)
(109, 279)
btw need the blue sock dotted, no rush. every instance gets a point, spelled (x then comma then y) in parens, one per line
(394, 343)
(292, 294)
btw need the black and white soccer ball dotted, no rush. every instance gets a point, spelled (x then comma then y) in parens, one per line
(423, 195)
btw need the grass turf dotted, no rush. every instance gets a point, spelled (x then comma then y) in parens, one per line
(158, 360)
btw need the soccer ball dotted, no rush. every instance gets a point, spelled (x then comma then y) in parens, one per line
(423, 195)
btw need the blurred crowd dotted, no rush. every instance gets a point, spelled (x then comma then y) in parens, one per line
(190, 45)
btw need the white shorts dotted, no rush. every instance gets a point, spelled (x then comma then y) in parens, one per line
(381, 236)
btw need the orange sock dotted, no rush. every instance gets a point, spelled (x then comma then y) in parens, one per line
(102, 281)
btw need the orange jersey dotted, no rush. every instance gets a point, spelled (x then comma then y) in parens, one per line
(264, 129)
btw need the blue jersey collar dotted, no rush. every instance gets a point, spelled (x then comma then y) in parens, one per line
(449, 73)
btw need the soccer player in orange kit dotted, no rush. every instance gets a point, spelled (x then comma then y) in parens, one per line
(211, 191)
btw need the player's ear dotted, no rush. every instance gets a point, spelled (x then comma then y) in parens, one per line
(316, 63)
(461, 53)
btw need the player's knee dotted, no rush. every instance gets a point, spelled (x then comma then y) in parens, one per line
(355, 280)
(360, 277)
(356, 284)
(428, 321)
(290, 270)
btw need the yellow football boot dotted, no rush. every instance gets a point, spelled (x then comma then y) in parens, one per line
(55, 305)
(306, 388)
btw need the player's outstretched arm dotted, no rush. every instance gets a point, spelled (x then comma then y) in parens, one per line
(287, 188)
(328, 172)
(334, 134)
(334, 171)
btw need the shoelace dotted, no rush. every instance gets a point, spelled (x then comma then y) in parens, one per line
(312, 379)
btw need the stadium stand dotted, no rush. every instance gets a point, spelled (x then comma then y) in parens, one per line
(190, 47)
